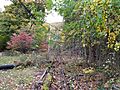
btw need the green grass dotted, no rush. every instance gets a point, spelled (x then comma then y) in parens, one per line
(8, 59)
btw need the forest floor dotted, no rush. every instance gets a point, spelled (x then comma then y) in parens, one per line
(60, 73)
(15, 78)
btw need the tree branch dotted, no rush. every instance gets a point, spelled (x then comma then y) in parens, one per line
(27, 10)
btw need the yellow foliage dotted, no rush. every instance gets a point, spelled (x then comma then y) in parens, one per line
(111, 37)
(62, 37)
(77, 6)
(108, 30)
(98, 29)
(117, 46)
(97, 1)
(92, 7)
(46, 26)
(88, 70)
(107, 1)
(104, 18)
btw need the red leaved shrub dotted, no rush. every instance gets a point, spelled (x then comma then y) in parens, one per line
(21, 42)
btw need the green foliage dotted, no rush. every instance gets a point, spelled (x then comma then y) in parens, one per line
(3, 40)
(49, 4)
(11, 20)
(40, 34)
(7, 27)
(91, 21)
(92, 26)
(16, 17)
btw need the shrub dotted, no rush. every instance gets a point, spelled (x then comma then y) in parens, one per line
(21, 42)
(3, 40)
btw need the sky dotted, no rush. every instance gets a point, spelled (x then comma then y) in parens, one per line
(4, 2)
(50, 18)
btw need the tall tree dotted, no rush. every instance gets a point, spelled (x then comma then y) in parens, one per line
(94, 23)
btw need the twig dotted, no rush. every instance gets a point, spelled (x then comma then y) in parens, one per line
(44, 74)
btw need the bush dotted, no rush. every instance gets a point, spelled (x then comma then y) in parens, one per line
(21, 42)
(3, 40)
